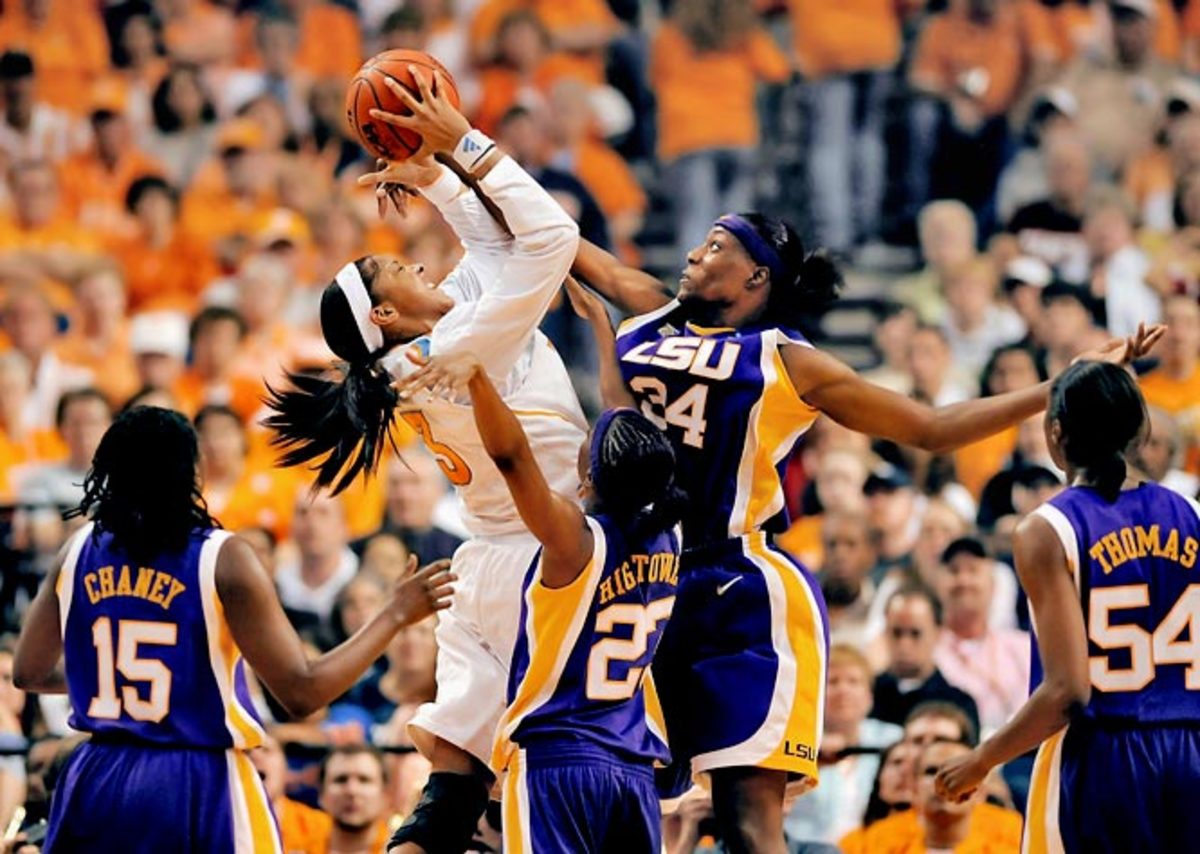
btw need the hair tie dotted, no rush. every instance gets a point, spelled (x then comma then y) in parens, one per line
(762, 252)
(351, 283)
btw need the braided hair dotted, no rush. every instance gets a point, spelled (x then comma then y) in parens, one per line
(340, 422)
(633, 473)
(1102, 413)
(142, 487)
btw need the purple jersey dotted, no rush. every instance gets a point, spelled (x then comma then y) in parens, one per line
(724, 398)
(148, 652)
(1134, 563)
(580, 668)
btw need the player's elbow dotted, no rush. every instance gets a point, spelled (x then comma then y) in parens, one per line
(298, 704)
(30, 675)
(557, 239)
(1069, 694)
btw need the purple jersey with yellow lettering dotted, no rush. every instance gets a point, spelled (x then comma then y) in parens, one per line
(580, 668)
(1134, 562)
(724, 398)
(148, 653)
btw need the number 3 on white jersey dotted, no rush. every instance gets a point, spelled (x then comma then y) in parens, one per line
(686, 412)
(644, 620)
(1146, 650)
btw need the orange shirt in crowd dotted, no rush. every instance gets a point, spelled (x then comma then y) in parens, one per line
(330, 41)
(1077, 27)
(240, 393)
(802, 540)
(1148, 175)
(211, 212)
(264, 497)
(96, 196)
(304, 830)
(975, 464)
(609, 179)
(556, 16)
(502, 88)
(170, 276)
(113, 366)
(845, 36)
(69, 50)
(993, 830)
(1181, 399)
(706, 100)
(952, 45)
(37, 446)
(204, 33)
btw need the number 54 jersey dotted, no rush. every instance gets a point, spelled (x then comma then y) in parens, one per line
(148, 653)
(724, 398)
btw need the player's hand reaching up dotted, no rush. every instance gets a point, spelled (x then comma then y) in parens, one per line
(1126, 351)
(421, 592)
(441, 376)
(960, 777)
(396, 181)
(440, 125)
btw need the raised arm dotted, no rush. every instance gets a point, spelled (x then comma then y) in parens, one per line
(613, 391)
(1046, 577)
(274, 650)
(556, 521)
(832, 387)
(629, 289)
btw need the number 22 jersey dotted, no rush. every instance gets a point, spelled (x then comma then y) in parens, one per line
(724, 398)
(148, 653)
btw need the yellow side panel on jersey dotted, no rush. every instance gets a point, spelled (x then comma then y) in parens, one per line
(655, 719)
(1042, 835)
(254, 829)
(806, 640)
(247, 732)
(778, 420)
(554, 618)
(516, 807)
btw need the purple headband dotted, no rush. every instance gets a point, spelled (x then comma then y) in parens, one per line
(761, 251)
(598, 432)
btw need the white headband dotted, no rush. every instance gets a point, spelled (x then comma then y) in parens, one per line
(352, 285)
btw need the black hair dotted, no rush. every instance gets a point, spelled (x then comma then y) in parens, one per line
(964, 546)
(148, 184)
(74, 396)
(215, 314)
(985, 379)
(165, 117)
(811, 280)
(142, 487)
(918, 590)
(1035, 477)
(15, 65)
(339, 424)
(634, 476)
(214, 410)
(877, 808)
(403, 19)
(949, 710)
(1101, 412)
(141, 394)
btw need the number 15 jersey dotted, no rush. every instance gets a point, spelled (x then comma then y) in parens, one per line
(724, 398)
(148, 653)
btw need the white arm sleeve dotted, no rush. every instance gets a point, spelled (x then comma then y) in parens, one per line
(513, 303)
(487, 246)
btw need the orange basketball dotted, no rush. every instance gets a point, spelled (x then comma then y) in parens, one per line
(367, 92)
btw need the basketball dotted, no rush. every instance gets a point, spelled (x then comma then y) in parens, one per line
(367, 91)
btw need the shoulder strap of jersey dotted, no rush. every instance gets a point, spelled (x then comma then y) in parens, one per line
(1067, 536)
(65, 586)
(632, 324)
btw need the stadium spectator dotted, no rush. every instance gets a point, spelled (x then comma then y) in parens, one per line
(98, 337)
(836, 806)
(328, 39)
(914, 625)
(990, 664)
(303, 828)
(278, 69)
(159, 342)
(12, 734)
(415, 489)
(226, 201)
(976, 324)
(947, 233)
(935, 379)
(846, 52)
(31, 326)
(1069, 324)
(891, 792)
(20, 444)
(892, 339)
(1174, 385)
(892, 506)
(1119, 267)
(66, 42)
(1150, 177)
(215, 339)
(1024, 179)
(31, 128)
(185, 123)
(849, 557)
(706, 60)
(81, 418)
(353, 783)
(384, 555)
(40, 231)
(1159, 456)
(1024, 279)
(324, 564)
(407, 683)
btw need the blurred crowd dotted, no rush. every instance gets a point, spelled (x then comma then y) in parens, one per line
(1014, 181)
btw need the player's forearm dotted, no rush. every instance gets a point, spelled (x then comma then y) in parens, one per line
(951, 427)
(613, 391)
(503, 437)
(328, 677)
(632, 291)
(1047, 711)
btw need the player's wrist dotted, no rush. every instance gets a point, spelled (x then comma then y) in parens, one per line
(473, 149)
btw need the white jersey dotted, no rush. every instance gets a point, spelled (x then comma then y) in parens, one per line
(502, 288)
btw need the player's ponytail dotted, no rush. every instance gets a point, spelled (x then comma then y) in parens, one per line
(340, 423)
(1101, 414)
(803, 284)
(633, 472)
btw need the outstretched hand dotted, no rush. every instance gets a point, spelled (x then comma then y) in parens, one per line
(438, 122)
(585, 303)
(396, 181)
(1126, 351)
(441, 376)
(421, 592)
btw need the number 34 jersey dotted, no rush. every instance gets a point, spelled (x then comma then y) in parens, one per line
(581, 665)
(148, 652)
(724, 398)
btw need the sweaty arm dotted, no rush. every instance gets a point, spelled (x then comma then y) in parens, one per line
(273, 649)
(38, 659)
(832, 387)
(629, 289)
(513, 298)
(557, 522)
(1047, 579)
